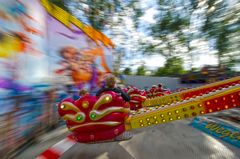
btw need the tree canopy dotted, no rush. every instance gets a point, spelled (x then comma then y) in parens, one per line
(141, 71)
(182, 29)
(173, 66)
(127, 71)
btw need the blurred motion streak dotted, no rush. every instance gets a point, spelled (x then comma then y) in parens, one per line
(47, 54)
(42, 61)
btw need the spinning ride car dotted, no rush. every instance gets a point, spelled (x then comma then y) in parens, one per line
(93, 119)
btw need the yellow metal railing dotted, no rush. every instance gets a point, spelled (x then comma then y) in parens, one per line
(185, 109)
(178, 96)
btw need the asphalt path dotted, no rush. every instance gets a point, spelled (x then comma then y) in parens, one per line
(176, 140)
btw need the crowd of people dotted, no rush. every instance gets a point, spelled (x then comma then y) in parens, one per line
(157, 90)
(110, 84)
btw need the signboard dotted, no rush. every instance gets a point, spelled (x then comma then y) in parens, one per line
(218, 129)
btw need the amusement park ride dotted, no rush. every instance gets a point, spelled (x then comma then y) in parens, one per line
(94, 119)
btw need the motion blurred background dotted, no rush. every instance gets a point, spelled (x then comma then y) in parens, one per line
(180, 43)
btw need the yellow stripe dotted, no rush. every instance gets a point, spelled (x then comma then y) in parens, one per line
(163, 100)
(69, 106)
(73, 118)
(100, 114)
(184, 109)
(138, 95)
(104, 99)
(165, 114)
(175, 97)
(76, 22)
(234, 79)
(108, 123)
(67, 19)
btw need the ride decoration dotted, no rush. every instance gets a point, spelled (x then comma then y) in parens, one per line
(101, 119)
(70, 21)
(157, 91)
(214, 101)
(137, 97)
(93, 119)
(189, 93)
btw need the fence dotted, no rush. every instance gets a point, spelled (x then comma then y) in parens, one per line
(143, 82)
(24, 117)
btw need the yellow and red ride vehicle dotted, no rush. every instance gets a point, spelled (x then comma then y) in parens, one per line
(93, 119)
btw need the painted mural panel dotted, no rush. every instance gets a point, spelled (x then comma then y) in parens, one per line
(22, 38)
(77, 51)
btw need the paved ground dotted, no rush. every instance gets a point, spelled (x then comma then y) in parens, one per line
(44, 143)
(174, 140)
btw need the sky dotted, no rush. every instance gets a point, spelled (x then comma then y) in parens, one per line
(128, 35)
(205, 52)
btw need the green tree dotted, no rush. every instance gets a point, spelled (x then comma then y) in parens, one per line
(172, 29)
(96, 13)
(137, 11)
(127, 71)
(161, 71)
(61, 4)
(173, 66)
(141, 71)
(222, 25)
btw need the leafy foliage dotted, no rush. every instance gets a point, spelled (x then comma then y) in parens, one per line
(173, 20)
(173, 29)
(173, 66)
(219, 25)
(98, 12)
(61, 4)
(141, 71)
(127, 71)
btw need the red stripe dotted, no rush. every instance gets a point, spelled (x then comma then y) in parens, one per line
(49, 154)
(71, 137)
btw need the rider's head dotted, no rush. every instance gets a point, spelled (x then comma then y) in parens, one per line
(83, 92)
(154, 86)
(160, 85)
(110, 81)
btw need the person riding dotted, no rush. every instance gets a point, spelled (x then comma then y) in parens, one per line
(83, 92)
(160, 87)
(110, 85)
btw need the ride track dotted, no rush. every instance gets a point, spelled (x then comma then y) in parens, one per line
(158, 110)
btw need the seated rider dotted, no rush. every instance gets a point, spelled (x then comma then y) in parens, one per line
(153, 91)
(160, 87)
(83, 92)
(110, 86)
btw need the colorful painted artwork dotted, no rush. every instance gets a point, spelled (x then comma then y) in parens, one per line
(15, 29)
(22, 39)
(42, 42)
(78, 52)
(39, 47)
